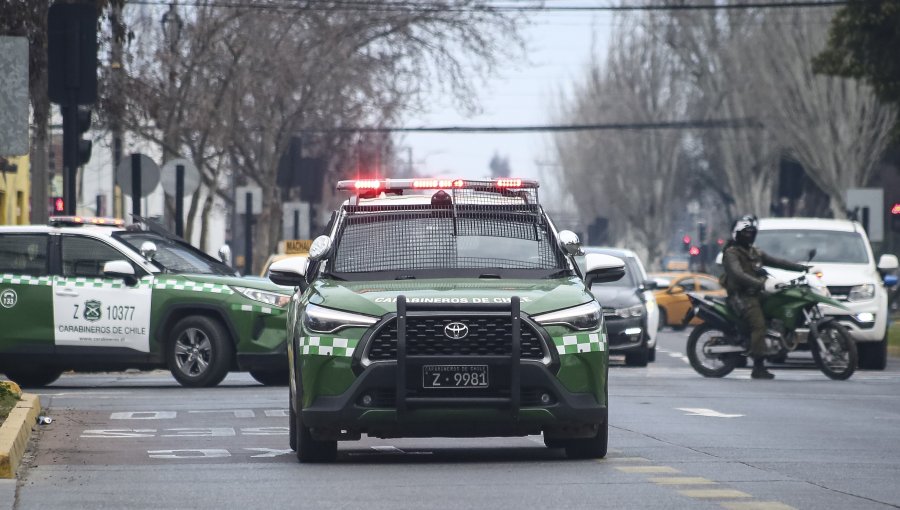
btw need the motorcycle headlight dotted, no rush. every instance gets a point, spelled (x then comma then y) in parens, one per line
(861, 292)
(631, 311)
(582, 317)
(328, 320)
(269, 298)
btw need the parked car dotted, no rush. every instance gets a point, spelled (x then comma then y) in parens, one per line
(848, 269)
(630, 309)
(671, 295)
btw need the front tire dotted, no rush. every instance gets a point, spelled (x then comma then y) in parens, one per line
(709, 366)
(873, 355)
(309, 449)
(200, 352)
(839, 358)
(33, 377)
(592, 448)
(663, 319)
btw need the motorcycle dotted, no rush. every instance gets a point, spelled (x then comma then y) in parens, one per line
(792, 313)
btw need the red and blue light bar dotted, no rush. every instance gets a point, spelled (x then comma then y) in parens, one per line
(401, 184)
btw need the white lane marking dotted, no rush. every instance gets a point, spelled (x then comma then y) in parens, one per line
(84, 394)
(696, 411)
(143, 415)
(201, 432)
(276, 413)
(268, 453)
(237, 413)
(117, 433)
(211, 453)
(387, 449)
(265, 431)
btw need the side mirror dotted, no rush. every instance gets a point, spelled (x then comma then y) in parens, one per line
(887, 262)
(120, 269)
(676, 289)
(319, 249)
(148, 250)
(600, 268)
(225, 254)
(290, 272)
(650, 285)
(569, 242)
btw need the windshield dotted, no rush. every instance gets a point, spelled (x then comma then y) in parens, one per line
(831, 246)
(175, 257)
(428, 242)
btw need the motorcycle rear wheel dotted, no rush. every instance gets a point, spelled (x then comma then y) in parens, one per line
(840, 357)
(705, 364)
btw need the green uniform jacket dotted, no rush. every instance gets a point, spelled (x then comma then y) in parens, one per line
(742, 267)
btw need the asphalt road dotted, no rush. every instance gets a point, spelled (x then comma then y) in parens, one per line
(677, 440)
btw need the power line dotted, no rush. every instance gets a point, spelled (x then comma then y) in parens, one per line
(358, 5)
(617, 126)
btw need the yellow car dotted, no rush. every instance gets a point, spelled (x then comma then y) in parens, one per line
(671, 295)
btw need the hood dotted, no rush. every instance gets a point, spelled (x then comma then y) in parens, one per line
(836, 275)
(251, 282)
(379, 297)
(616, 297)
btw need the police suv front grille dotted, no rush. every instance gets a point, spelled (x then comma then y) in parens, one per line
(488, 336)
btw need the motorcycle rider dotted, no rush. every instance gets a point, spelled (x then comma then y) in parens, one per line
(745, 280)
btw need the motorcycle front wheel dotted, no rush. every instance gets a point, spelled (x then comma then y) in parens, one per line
(705, 363)
(834, 351)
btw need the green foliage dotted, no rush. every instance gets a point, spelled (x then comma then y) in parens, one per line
(863, 43)
(8, 400)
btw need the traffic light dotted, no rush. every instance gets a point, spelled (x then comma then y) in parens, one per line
(694, 251)
(686, 243)
(895, 217)
(57, 205)
(701, 233)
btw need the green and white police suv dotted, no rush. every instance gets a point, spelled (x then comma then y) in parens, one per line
(445, 308)
(89, 294)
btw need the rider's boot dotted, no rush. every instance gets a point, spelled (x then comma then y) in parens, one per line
(759, 370)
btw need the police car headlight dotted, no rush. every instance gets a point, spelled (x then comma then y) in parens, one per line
(269, 298)
(327, 320)
(631, 311)
(582, 317)
(861, 292)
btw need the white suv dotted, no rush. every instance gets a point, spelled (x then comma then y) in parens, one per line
(848, 269)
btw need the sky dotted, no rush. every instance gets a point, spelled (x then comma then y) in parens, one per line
(520, 93)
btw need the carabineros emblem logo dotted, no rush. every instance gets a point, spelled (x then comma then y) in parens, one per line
(92, 310)
(8, 298)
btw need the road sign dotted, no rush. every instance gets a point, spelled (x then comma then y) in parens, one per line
(149, 174)
(295, 220)
(168, 176)
(868, 206)
(240, 198)
(14, 96)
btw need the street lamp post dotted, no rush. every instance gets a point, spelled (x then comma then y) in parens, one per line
(171, 26)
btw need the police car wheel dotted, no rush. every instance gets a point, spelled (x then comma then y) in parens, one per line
(200, 352)
(33, 377)
(271, 377)
(663, 319)
(310, 449)
(593, 448)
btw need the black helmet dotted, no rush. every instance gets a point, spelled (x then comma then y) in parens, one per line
(744, 231)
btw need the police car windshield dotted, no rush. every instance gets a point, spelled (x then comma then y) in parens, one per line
(175, 257)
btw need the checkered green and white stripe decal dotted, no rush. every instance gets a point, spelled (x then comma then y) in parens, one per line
(169, 284)
(574, 344)
(257, 309)
(103, 283)
(326, 345)
(18, 279)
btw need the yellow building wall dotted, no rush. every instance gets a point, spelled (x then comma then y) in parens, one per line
(15, 193)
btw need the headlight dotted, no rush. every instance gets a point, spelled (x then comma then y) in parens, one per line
(269, 298)
(861, 292)
(631, 311)
(327, 320)
(581, 317)
(865, 317)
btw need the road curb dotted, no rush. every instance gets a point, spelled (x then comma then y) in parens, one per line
(15, 433)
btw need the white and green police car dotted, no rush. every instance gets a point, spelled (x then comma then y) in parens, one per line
(447, 308)
(89, 294)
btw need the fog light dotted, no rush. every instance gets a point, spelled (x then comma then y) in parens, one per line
(367, 400)
(865, 317)
(633, 331)
(545, 398)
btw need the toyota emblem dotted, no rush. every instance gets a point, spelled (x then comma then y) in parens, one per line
(456, 331)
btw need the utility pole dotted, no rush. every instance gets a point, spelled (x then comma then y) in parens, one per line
(171, 25)
(116, 109)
